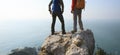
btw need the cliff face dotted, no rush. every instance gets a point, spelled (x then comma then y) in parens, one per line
(79, 43)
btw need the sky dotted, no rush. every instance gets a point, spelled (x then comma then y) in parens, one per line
(38, 9)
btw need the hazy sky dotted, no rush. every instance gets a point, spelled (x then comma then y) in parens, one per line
(26, 9)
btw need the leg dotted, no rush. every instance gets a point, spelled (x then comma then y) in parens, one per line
(60, 16)
(80, 21)
(53, 23)
(75, 21)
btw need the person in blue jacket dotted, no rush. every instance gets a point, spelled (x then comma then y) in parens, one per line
(57, 10)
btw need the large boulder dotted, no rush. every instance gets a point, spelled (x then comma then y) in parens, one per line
(79, 43)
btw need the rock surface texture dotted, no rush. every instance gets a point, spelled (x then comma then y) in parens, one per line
(79, 43)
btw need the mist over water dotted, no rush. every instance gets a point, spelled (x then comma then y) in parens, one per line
(32, 32)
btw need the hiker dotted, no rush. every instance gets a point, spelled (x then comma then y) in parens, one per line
(77, 6)
(57, 10)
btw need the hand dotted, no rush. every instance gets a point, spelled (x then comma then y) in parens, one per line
(72, 11)
(62, 12)
(50, 11)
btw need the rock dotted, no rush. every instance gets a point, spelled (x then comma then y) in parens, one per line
(79, 43)
(25, 51)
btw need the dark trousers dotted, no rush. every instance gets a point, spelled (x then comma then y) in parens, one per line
(60, 16)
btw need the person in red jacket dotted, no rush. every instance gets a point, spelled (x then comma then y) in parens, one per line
(76, 12)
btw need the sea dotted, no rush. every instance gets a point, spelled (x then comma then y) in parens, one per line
(20, 33)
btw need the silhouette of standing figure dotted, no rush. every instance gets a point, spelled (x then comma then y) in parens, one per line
(77, 6)
(57, 10)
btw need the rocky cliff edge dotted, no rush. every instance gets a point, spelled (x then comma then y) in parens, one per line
(79, 43)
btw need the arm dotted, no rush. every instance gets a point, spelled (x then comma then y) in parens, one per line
(62, 5)
(73, 5)
(50, 6)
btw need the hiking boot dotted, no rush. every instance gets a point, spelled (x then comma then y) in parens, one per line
(52, 33)
(81, 29)
(63, 32)
(73, 31)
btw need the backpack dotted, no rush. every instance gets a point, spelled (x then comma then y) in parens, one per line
(80, 4)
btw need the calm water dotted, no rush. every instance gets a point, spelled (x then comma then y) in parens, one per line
(32, 32)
